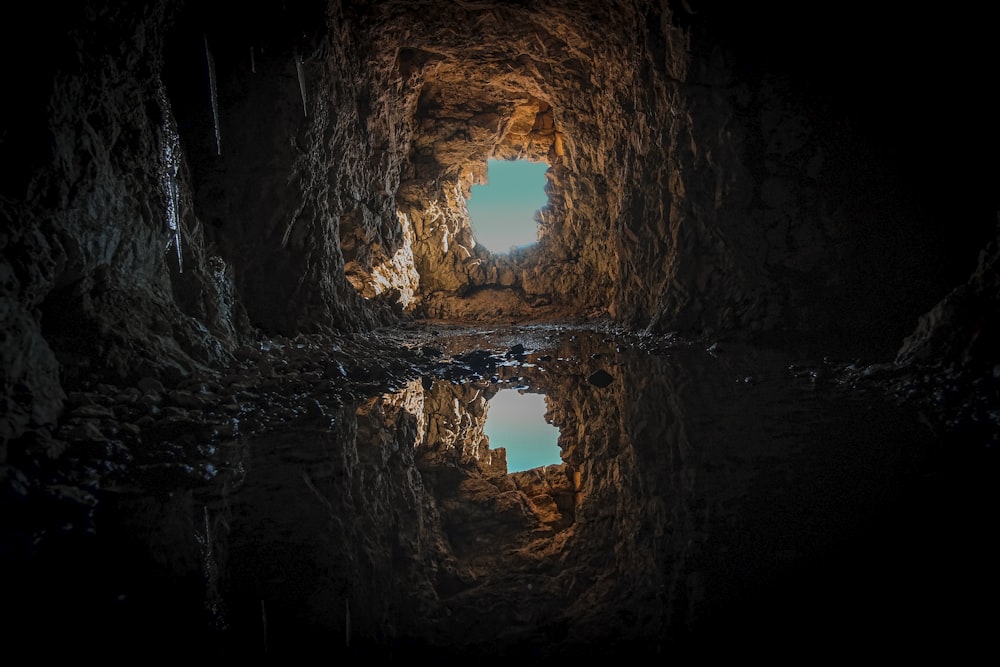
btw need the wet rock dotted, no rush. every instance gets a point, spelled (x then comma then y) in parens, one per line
(478, 360)
(94, 411)
(189, 400)
(82, 430)
(129, 430)
(151, 403)
(516, 352)
(600, 378)
(72, 494)
(13, 483)
(128, 396)
(311, 377)
(80, 398)
(150, 385)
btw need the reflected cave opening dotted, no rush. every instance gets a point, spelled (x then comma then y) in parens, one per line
(516, 422)
(503, 212)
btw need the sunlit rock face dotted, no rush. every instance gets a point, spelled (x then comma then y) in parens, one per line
(182, 178)
(687, 190)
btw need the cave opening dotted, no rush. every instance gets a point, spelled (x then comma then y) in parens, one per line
(504, 211)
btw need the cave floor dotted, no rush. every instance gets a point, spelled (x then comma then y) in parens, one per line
(713, 497)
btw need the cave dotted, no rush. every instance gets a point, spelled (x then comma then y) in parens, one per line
(249, 338)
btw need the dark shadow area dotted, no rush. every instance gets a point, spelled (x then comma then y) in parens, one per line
(713, 503)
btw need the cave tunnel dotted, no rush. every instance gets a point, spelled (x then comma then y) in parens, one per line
(250, 339)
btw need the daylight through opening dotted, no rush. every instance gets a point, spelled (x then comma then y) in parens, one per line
(515, 421)
(503, 213)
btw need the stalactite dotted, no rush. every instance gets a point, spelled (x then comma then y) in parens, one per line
(210, 572)
(302, 83)
(263, 622)
(170, 163)
(347, 623)
(213, 93)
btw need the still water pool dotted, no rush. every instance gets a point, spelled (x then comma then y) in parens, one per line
(516, 422)
(715, 499)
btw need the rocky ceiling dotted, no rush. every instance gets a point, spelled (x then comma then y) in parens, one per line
(710, 170)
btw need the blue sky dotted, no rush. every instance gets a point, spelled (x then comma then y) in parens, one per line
(503, 211)
(516, 422)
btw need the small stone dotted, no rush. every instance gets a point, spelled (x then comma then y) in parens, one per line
(314, 408)
(84, 430)
(92, 411)
(600, 378)
(185, 399)
(150, 385)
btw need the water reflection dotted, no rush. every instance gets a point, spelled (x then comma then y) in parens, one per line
(516, 422)
(704, 498)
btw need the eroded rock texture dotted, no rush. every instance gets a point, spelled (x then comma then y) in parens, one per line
(181, 182)
(323, 153)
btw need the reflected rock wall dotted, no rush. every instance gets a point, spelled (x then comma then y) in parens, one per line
(704, 494)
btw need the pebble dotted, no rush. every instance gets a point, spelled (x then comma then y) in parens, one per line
(150, 385)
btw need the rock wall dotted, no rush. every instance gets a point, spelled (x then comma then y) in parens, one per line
(960, 329)
(700, 180)
(107, 273)
(176, 189)
(295, 184)
(181, 179)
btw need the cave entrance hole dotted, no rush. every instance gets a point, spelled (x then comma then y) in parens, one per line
(515, 421)
(504, 212)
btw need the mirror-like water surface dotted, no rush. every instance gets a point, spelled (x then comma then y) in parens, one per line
(516, 422)
(726, 500)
